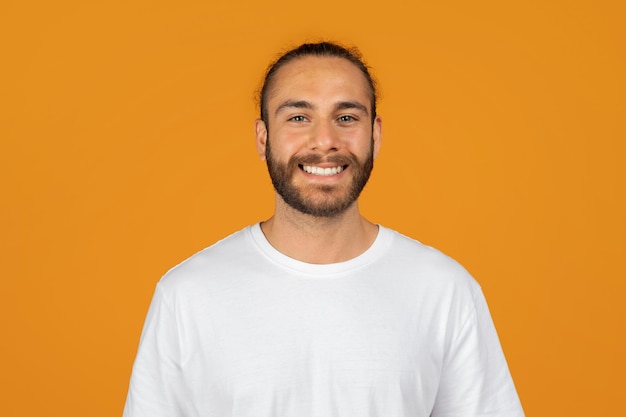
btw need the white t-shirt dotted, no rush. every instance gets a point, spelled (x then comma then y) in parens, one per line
(241, 330)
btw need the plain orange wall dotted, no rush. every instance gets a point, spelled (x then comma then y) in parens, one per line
(127, 145)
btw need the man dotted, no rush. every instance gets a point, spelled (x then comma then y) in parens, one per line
(317, 311)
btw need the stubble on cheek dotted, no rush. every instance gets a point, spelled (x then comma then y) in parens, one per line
(318, 199)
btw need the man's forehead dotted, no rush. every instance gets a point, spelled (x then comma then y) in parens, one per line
(316, 71)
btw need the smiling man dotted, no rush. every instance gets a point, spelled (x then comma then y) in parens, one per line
(319, 136)
(318, 311)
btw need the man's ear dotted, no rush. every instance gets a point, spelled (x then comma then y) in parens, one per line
(260, 132)
(377, 134)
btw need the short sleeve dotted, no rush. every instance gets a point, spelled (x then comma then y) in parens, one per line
(157, 387)
(475, 379)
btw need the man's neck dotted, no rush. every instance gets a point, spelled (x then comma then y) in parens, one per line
(319, 240)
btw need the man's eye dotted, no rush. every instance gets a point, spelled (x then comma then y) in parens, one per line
(297, 119)
(346, 118)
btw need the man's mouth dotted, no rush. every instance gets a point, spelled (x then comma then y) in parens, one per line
(324, 172)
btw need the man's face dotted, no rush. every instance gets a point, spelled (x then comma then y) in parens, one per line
(319, 141)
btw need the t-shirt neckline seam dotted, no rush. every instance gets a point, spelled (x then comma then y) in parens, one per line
(375, 251)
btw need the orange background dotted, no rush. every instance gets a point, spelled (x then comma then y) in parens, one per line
(127, 145)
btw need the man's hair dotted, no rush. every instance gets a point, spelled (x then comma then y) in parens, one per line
(321, 49)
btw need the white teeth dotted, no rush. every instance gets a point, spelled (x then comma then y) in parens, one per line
(322, 171)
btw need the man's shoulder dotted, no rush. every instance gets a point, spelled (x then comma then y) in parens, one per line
(213, 260)
(412, 255)
(412, 249)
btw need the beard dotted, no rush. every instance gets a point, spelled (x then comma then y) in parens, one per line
(315, 199)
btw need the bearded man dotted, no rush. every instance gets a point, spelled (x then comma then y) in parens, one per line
(317, 311)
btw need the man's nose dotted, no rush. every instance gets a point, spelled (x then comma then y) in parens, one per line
(325, 137)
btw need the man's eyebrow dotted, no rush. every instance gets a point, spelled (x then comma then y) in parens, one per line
(297, 104)
(344, 105)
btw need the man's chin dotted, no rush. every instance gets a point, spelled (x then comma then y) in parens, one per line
(320, 206)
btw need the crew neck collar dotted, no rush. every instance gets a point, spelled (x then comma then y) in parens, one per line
(371, 254)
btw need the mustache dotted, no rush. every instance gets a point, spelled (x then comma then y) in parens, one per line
(319, 159)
